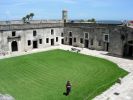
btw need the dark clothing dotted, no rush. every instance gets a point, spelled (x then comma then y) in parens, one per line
(68, 88)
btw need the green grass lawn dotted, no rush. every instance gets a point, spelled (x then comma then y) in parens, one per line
(42, 76)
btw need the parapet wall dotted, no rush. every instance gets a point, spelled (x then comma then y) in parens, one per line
(88, 25)
(31, 21)
(37, 24)
(29, 26)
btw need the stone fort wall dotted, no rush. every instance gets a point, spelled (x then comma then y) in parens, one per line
(105, 37)
(24, 37)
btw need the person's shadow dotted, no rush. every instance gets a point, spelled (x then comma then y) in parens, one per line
(64, 93)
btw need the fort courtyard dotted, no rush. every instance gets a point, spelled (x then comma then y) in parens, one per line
(43, 74)
(38, 57)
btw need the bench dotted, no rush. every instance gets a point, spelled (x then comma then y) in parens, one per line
(75, 49)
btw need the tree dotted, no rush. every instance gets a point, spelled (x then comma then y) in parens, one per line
(31, 15)
(93, 20)
(28, 17)
(81, 20)
(89, 20)
(24, 19)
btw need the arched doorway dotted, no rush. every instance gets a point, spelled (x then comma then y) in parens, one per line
(14, 46)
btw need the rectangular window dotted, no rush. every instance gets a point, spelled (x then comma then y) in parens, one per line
(70, 33)
(62, 34)
(56, 39)
(86, 35)
(47, 40)
(106, 37)
(81, 40)
(91, 41)
(52, 32)
(29, 42)
(13, 33)
(40, 41)
(34, 33)
(74, 39)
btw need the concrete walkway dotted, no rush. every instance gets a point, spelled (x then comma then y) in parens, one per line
(6, 97)
(124, 90)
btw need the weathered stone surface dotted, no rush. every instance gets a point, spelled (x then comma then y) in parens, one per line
(96, 34)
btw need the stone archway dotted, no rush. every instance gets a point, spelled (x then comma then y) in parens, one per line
(14, 46)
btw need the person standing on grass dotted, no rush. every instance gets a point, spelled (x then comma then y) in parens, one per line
(68, 88)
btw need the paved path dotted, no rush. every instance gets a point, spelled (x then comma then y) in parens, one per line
(125, 89)
(6, 97)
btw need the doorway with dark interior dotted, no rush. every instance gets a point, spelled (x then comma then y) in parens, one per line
(35, 45)
(70, 41)
(62, 41)
(52, 42)
(86, 44)
(14, 46)
(106, 46)
(130, 53)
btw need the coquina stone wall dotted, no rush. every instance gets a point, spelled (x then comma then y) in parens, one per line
(25, 39)
(24, 33)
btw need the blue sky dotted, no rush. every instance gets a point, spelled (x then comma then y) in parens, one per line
(77, 9)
